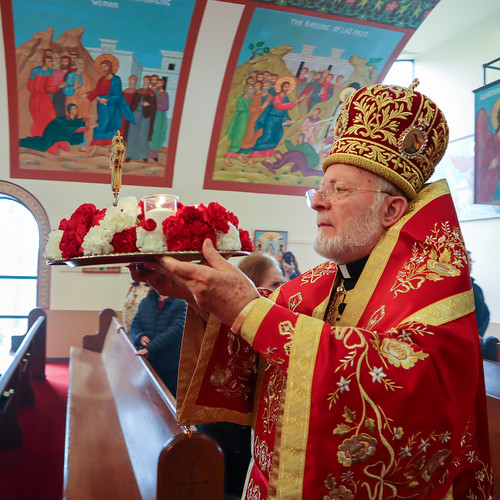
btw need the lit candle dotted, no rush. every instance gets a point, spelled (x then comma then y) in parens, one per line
(159, 215)
(159, 207)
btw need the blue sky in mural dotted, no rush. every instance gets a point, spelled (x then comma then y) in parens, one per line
(277, 28)
(139, 25)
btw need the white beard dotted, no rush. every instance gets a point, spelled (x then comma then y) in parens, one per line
(352, 244)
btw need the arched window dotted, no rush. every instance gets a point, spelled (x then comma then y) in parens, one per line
(24, 279)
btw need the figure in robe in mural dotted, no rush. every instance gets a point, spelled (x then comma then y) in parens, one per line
(60, 133)
(308, 150)
(140, 130)
(79, 84)
(161, 120)
(41, 107)
(111, 104)
(487, 189)
(128, 94)
(239, 123)
(273, 119)
(57, 84)
(311, 127)
(260, 101)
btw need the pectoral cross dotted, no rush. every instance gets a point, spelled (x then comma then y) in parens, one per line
(116, 159)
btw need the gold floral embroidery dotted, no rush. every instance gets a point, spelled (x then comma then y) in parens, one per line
(316, 273)
(400, 354)
(294, 301)
(337, 492)
(233, 379)
(272, 398)
(356, 449)
(253, 491)
(442, 255)
(413, 462)
(262, 456)
(286, 329)
(376, 317)
(270, 354)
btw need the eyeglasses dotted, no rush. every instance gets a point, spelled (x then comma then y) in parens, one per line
(331, 192)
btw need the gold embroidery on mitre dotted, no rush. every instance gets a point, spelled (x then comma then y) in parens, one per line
(414, 84)
(342, 123)
(369, 137)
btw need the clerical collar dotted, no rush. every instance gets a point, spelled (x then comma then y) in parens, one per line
(352, 271)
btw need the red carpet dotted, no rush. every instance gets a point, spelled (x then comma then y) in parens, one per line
(35, 472)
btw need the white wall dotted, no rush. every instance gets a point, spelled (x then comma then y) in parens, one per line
(448, 75)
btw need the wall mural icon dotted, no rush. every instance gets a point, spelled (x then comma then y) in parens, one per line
(80, 71)
(287, 78)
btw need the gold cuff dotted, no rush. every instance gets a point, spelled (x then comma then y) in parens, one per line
(242, 316)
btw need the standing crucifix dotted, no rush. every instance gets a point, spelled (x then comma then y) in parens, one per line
(116, 159)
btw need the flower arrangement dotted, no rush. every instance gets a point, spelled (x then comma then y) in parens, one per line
(125, 229)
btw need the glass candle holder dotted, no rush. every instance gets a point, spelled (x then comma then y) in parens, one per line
(159, 207)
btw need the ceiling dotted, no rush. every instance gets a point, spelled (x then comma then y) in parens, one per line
(447, 20)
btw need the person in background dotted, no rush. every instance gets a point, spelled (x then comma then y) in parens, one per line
(488, 343)
(369, 377)
(137, 291)
(289, 266)
(156, 332)
(263, 269)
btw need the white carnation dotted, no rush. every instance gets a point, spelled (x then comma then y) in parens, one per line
(150, 241)
(229, 240)
(116, 221)
(129, 204)
(52, 250)
(97, 241)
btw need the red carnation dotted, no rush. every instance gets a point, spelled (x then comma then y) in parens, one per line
(125, 241)
(148, 224)
(70, 246)
(246, 242)
(187, 229)
(98, 216)
(76, 228)
(218, 217)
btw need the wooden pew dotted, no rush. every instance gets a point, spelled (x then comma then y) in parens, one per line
(122, 439)
(25, 361)
(492, 382)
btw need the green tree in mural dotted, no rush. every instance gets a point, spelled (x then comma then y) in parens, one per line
(258, 49)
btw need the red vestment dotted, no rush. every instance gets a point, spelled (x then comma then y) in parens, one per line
(41, 107)
(389, 402)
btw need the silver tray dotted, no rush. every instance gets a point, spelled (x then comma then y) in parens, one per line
(113, 259)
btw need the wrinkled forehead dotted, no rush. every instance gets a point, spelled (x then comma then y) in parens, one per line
(343, 172)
